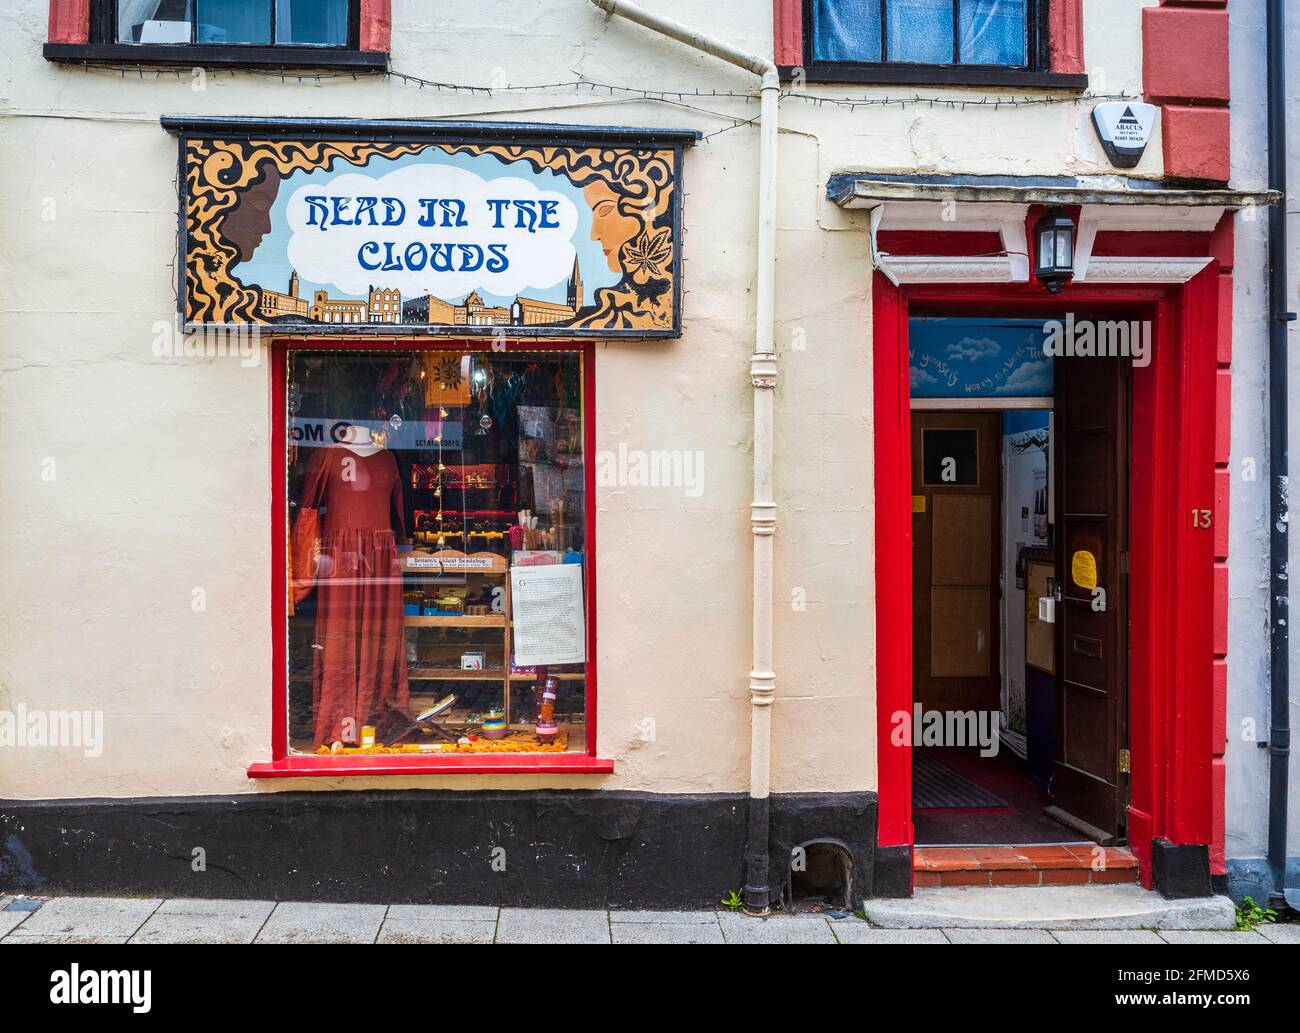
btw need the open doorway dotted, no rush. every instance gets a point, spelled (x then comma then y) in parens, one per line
(1019, 588)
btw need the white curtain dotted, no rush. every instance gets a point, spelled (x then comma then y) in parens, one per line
(131, 13)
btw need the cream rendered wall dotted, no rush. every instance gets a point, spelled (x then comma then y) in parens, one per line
(161, 481)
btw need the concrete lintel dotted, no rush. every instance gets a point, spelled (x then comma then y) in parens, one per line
(863, 190)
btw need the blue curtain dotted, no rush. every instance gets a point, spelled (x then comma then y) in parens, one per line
(846, 30)
(993, 32)
(920, 31)
(312, 22)
(234, 21)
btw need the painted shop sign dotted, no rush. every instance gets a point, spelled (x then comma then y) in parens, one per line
(465, 234)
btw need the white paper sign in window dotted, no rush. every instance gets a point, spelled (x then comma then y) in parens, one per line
(546, 607)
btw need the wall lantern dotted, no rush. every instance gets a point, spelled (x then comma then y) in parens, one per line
(1055, 236)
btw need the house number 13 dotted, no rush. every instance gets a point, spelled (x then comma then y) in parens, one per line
(1201, 517)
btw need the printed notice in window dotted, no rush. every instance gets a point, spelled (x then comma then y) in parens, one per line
(546, 607)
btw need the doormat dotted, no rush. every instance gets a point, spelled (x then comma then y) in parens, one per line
(939, 788)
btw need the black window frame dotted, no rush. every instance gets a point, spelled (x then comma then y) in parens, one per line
(1036, 72)
(103, 45)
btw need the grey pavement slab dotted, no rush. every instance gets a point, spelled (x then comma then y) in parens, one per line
(1049, 907)
(542, 925)
(205, 921)
(1288, 933)
(667, 932)
(1209, 936)
(292, 922)
(778, 929)
(442, 913)
(56, 939)
(1106, 936)
(669, 917)
(10, 920)
(86, 919)
(998, 936)
(860, 932)
(199, 906)
(436, 930)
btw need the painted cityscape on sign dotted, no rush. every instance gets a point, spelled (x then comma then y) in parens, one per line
(462, 237)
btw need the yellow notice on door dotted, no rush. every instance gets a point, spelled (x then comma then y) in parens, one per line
(918, 503)
(1083, 569)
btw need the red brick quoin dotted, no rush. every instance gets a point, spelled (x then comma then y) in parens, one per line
(1185, 71)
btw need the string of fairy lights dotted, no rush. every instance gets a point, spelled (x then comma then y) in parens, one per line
(589, 87)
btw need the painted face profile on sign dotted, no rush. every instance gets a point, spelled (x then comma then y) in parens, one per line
(610, 228)
(251, 219)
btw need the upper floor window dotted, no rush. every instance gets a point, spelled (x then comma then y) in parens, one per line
(922, 32)
(267, 33)
(319, 23)
(961, 42)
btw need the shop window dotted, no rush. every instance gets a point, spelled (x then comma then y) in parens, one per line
(923, 41)
(438, 550)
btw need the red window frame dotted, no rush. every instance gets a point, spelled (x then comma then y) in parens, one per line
(284, 765)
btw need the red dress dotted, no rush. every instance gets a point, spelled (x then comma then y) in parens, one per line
(360, 661)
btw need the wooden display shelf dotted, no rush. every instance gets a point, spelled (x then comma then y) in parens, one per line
(454, 674)
(489, 565)
(490, 620)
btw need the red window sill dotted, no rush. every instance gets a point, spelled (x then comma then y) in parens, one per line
(505, 764)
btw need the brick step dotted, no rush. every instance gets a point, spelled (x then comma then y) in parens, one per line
(1077, 864)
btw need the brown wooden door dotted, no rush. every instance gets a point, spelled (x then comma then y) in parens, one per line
(956, 553)
(1091, 456)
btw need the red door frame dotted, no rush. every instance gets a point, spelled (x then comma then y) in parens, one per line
(1172, 581)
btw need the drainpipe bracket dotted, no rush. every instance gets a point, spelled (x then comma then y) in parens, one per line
(762, 370)
(762, 687)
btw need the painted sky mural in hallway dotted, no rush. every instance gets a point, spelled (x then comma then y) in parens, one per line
(978, 358)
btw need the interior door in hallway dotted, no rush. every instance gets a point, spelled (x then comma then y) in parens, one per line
(956, 501)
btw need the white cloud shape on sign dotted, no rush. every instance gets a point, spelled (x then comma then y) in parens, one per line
(972, 349)
(921, 378)
(1031, 379)
(333, 255)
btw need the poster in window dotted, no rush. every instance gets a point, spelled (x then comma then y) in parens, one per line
(546, 610)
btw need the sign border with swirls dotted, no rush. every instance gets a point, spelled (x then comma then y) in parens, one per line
(227, 162)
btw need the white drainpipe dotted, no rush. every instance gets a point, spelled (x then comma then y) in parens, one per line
(762, 373)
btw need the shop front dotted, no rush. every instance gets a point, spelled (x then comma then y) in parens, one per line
(433, 313)
(569, 513)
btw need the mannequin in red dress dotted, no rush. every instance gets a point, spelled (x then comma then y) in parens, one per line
(360, 663)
